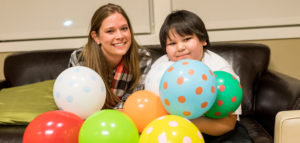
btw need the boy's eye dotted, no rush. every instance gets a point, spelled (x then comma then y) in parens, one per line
(171, 43)
(187, 39)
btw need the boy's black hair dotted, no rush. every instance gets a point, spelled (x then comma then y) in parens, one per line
(184, 23)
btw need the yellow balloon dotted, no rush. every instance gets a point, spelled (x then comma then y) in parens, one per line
(171, 129)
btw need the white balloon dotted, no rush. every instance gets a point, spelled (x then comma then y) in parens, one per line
(79, 90)
(154, 76)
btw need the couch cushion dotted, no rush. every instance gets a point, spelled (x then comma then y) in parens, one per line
(30, 67)
(19, 105)
(256, 131)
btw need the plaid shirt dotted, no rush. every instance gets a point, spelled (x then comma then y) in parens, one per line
(121, 77)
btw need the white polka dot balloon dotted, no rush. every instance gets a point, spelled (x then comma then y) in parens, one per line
(153, 77)
(79, 90)
(171, 129)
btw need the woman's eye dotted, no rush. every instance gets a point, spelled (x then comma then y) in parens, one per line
(109, 31)
(124, 28)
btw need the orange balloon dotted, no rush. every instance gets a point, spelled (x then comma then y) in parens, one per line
(143, 107)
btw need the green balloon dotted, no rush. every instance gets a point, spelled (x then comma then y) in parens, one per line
(108, 126)
(229, 96)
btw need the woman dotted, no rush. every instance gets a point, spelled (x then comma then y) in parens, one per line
(114, 54)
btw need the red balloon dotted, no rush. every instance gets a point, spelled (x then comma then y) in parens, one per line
(53, 127)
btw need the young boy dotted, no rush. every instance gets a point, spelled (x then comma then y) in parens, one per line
(183, 36)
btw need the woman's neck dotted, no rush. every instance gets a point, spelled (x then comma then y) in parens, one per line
(113, 61)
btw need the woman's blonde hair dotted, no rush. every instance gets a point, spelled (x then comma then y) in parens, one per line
(93, 57)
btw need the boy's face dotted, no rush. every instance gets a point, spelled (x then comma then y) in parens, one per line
(184, 47)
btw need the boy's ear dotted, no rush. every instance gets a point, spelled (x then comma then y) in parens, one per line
(95, 37)
(204, 43)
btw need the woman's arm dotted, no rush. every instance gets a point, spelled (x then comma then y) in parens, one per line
(215, 127)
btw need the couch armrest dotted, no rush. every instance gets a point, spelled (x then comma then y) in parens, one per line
(275, 92)
(287, 127)
(3, 84)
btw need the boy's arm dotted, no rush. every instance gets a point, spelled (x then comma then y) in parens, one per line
(215, 127)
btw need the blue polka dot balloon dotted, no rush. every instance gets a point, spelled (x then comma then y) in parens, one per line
(79, 90)
(188, 88)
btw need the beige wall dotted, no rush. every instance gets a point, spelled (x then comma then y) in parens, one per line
(284, 51)
(284, 56)
(2, 57)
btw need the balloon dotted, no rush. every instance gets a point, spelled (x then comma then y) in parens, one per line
(188, 88)
(108, 126)
(79, 90)
(171, 129)
(153, 77)
(143, 107)
(229, 95)
(53, 127)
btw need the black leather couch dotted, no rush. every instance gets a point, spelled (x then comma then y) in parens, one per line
(265, 92)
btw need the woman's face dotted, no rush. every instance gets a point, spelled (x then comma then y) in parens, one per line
(184, 47)
(114, 36)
